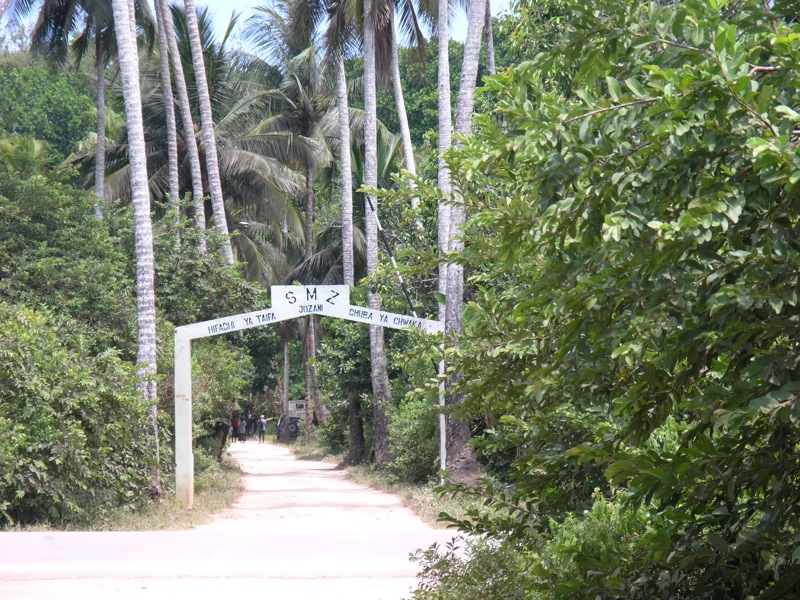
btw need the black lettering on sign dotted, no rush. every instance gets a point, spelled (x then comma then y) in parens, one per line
(335, 295)
(310, 308)
(311, 293)
(291, 298)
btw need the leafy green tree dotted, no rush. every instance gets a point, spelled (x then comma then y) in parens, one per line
(70, 423)
(54, 255)
(633, 245)
(55, 110)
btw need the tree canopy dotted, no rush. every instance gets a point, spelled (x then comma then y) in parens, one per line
(633, 246)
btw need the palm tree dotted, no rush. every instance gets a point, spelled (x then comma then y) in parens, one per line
(186, 118)
(326, 264)
(381, 391)
(411, 13)
(345, 169)
(254, 164)
(64, 23)
(207, 128)
(145, 289)
(281, 33)
(445, 141)
(307, 17)
(488, 40)
(462, 464)
(169, 105)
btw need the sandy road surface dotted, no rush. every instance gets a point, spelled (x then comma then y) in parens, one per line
(300, 531)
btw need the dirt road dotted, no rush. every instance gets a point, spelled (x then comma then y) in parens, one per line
(299, 531)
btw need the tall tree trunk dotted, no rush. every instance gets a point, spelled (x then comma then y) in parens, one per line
(355, 441)
(310, 437)
(190, 138)
(345, 168)
(402, 115)
(169, 113)
(100, 152)
(312, 394)
(143, 232)
(207, 128)
(461, 462)
(286, 375)
(381, 392)
(400, 104)
(445, 140)
(488, 40)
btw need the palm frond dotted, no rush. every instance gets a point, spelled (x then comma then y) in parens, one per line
(251, 110)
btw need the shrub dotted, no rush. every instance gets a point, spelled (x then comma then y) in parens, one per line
(414, 440)
(72, 425)
(476, 569)
(584, 557)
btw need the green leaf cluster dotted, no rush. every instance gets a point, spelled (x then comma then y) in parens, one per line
(634, 244)
(71, 423)
(44, 103)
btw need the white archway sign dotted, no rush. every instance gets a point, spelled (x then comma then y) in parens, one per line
(288, 302)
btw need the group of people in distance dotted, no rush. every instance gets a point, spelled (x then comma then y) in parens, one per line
(243, 427)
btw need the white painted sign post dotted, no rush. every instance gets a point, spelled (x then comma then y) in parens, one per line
(288, 302)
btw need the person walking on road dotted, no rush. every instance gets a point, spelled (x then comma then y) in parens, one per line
(234, 430)
(242, 429)
(262, 428)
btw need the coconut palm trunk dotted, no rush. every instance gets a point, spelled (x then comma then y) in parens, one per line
(143, 232)
(100, 152)
(355, 442)
(461, 462)
(207, 128)
(445, 140)
(188, 123)
(310, 437)
(312, 391)
(169, 112)
(346, 172)
(381, 391)
(400, 105)
(488, 40)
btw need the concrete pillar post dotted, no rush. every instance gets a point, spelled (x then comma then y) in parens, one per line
(184, 456)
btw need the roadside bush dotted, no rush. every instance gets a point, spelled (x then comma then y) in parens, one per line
(584, 557)
(72, 425)
(414, 440)
(221, 374)
(476, 569)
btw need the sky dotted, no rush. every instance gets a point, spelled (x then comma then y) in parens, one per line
(221, 12)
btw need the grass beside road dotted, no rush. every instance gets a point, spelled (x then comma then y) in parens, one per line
(216, 488)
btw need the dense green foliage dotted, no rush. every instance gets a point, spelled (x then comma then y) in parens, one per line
(54, 254)
(39, 101)
(420, 92)
(633, 243)
(71, 423)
